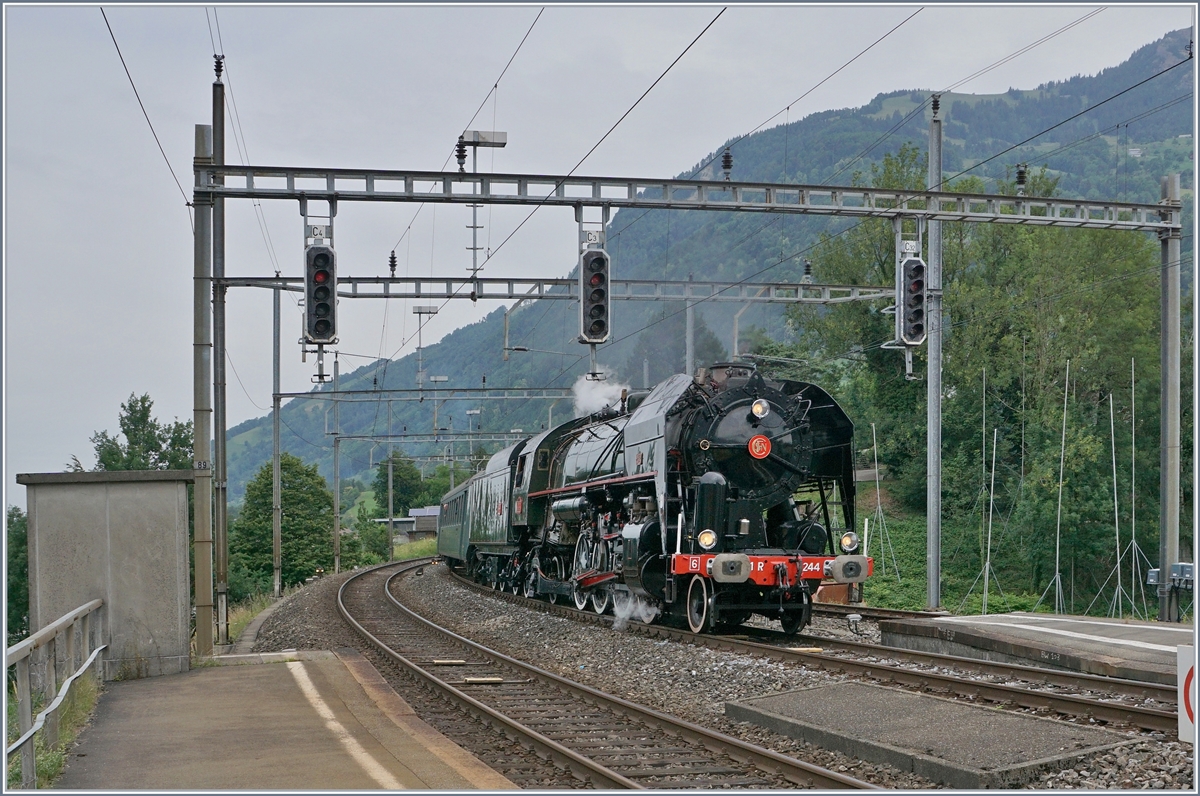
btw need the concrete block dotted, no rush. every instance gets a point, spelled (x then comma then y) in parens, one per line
(961, 745)
(121, 537)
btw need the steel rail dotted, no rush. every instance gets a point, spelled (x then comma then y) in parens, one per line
(1145, 718)
(793, 770)
(580, 766)
(788, 768)
(1133, 688)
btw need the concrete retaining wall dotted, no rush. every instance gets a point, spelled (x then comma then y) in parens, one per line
(121, 537)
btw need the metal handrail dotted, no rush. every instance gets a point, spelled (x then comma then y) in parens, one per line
(20, 654)
(40, 721)
(22, 648)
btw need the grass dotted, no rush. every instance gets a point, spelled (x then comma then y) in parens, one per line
(242, 613)
(73, 715)
(408, 550)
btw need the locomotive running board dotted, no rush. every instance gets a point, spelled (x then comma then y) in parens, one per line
(587, 580)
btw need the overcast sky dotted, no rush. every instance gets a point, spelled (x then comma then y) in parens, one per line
(97, 240)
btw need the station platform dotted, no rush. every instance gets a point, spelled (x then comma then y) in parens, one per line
(1126, 648)
(273, 721)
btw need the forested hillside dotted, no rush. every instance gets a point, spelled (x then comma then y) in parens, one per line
(1020, 303)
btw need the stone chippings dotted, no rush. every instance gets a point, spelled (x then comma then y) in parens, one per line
(687, 681)
(309, 619)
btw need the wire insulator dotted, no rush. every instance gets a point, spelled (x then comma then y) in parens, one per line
(218, 64)
(392, 263)
(460, 152)
(727, 163)
(936, 104)
(1021, 167)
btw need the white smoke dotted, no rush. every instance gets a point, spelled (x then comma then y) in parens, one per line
(637, 608)
(592, 396)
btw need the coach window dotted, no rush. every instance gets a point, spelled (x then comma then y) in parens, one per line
(521, 471)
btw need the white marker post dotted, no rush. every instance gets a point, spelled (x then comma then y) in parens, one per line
(1187, 694)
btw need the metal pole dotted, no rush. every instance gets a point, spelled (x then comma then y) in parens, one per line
(933, 385)
(987, 562)
(276, 475)
(391, 493)
(1168, 545)
(337, 485)
(474, 216)
(1112, 430)
(1062, 461)
(645, 374)
(202, 398)
(689, 364)
(220, 495)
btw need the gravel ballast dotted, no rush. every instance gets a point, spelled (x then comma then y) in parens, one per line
(684, 680)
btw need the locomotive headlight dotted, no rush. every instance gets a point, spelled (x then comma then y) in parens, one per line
(849, 542)
(760, 408)
(707, 539)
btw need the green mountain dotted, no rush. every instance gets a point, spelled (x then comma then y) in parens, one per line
(1117, 151)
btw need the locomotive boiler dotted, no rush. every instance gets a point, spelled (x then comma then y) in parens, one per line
(707, 499)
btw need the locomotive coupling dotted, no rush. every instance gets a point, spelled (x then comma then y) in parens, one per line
(847, 569)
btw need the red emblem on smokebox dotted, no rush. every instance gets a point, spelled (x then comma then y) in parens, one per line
(759, 446)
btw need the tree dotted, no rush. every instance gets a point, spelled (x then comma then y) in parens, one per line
(148, 445)
(18, 575)
(408, 489)
(306, 532)
(373, 536)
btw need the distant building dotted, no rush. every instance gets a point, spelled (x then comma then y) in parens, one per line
(425, 525)
(419, 524)
(1135, 152)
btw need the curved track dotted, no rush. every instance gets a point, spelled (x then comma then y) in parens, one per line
(603, 740)
(864, 660)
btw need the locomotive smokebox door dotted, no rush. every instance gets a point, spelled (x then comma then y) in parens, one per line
(731, 568)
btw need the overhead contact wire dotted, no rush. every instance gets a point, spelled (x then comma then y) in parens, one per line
(143, 107)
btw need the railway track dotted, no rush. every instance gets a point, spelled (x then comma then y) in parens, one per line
(603, 740)
(1044, 689)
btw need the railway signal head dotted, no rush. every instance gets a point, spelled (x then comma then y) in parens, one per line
(594, 321)
(910, 301)
(320, 294)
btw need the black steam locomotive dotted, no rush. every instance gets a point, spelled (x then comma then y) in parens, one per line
(709, 498)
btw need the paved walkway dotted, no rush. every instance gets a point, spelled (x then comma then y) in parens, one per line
(278, 721)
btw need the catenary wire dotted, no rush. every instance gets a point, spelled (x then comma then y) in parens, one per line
(495, 87)
(585, 157)
(1064, 121)
(822, 82)
(242, 147)
(860, 223)
(920, 108)
(807, 249)
(491, 92)
(798, 253)
(240, 382)
(148, 122)
(537, 207)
